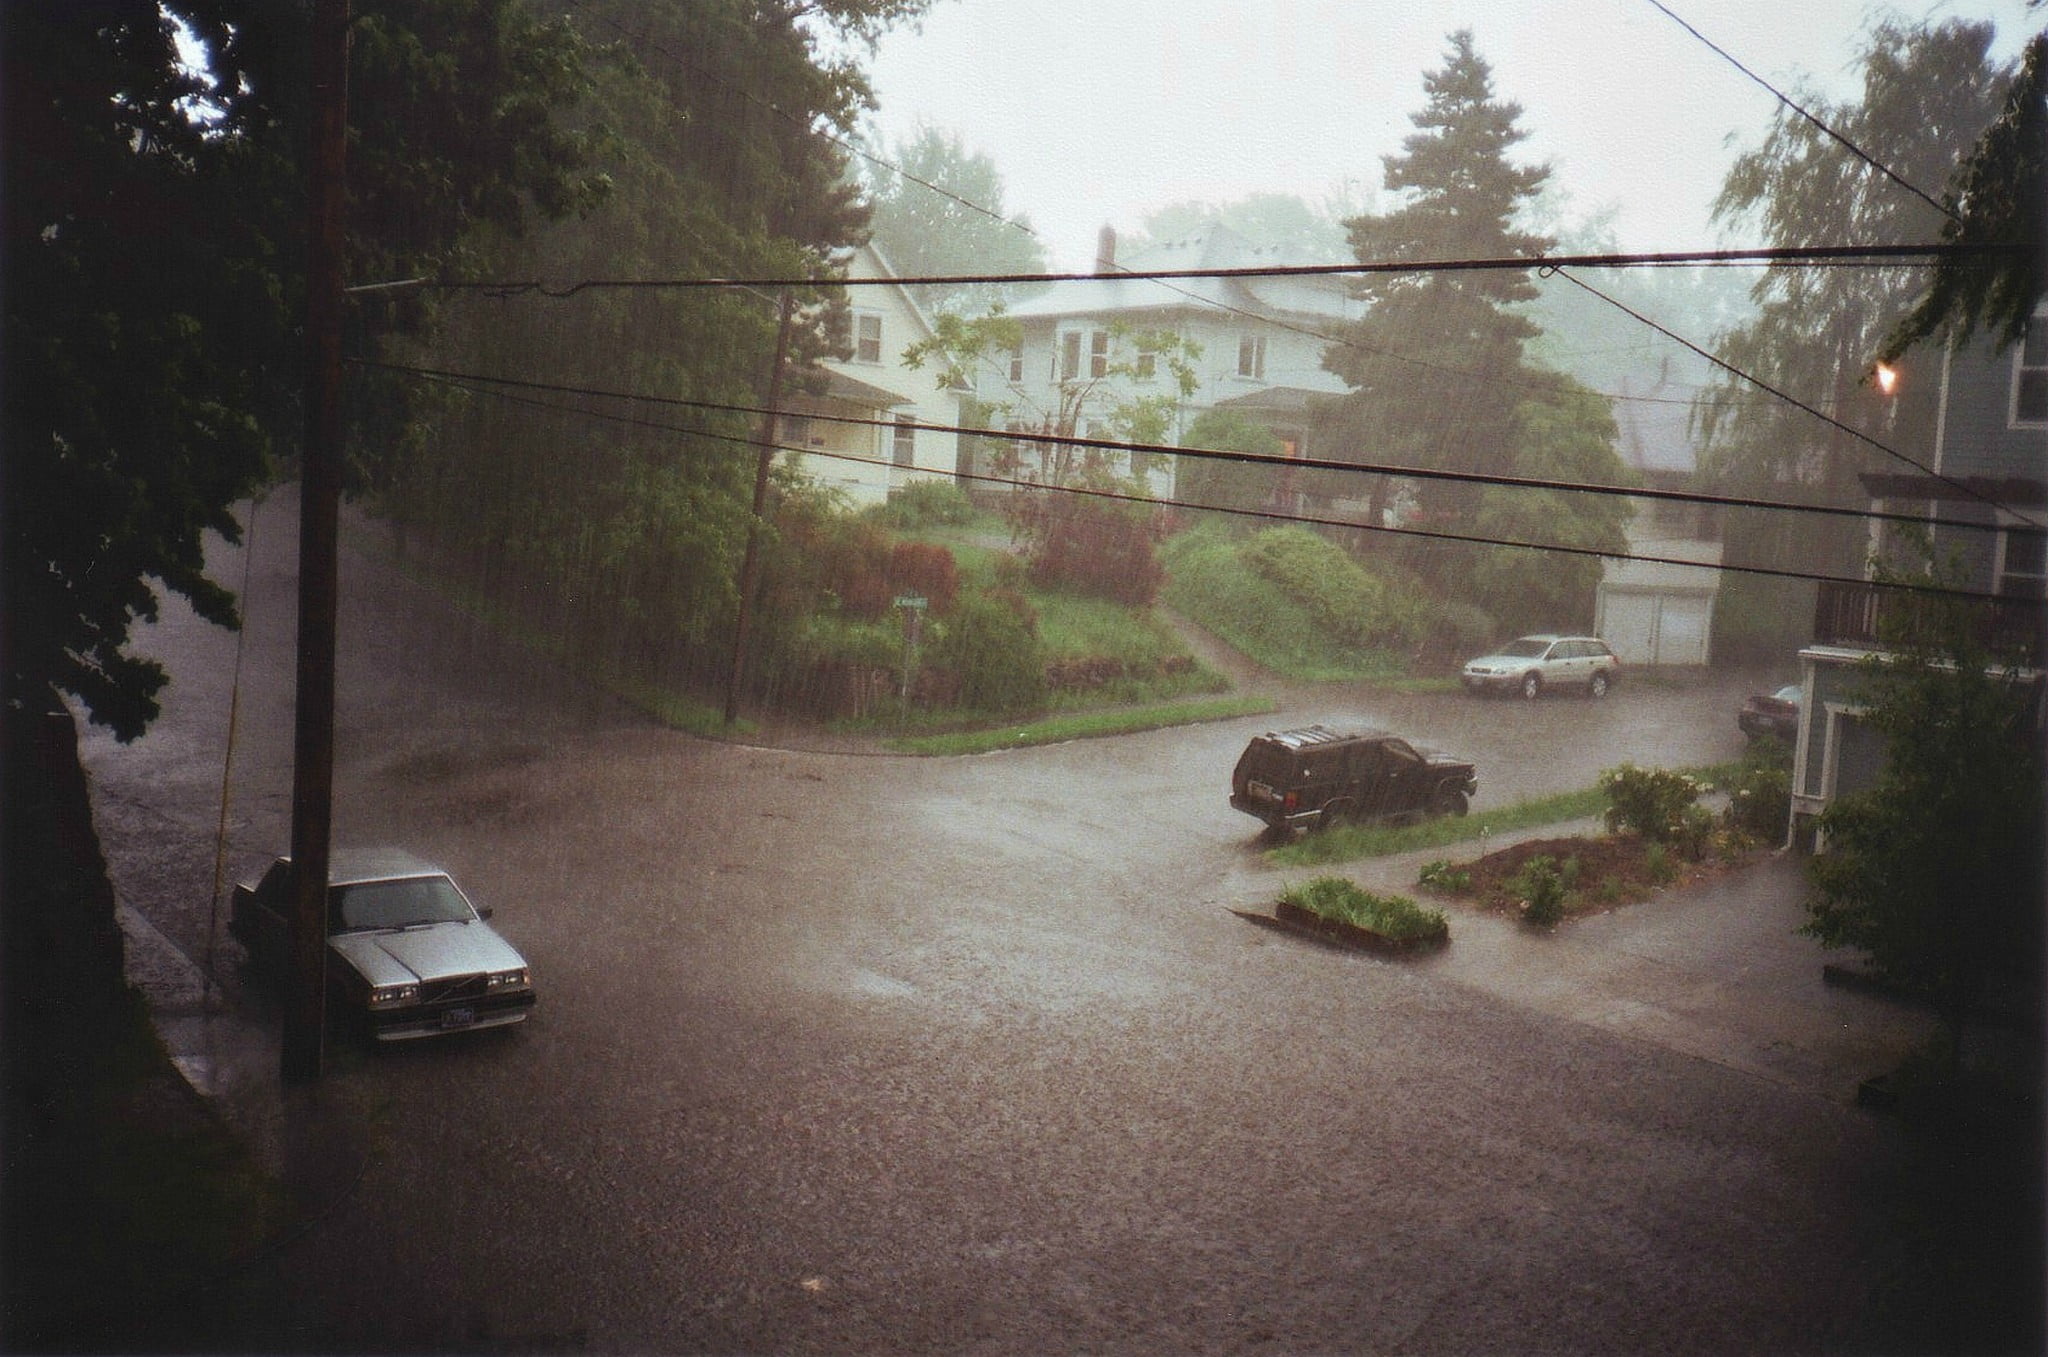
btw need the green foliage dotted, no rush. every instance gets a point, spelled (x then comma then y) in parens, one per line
(1567, 435)
(1927, 92)
(1391, 916)
(1439, 874)
(924, 232)
(1935, 871)
(2000, 191)
(1098, 547)
(923, 505)
(1345, 843)
(1760, 792)
(1432, 341)
(1339, 595)
(1540, 885)
(1228, 485)
(1653, 802)
(1657, 864)
(991, 650)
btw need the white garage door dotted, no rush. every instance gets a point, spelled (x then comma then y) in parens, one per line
(1655, 628)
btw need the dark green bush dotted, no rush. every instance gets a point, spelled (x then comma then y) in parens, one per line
(1541, 886)
(1760, 793)
(1353, 604)
(992, 653)
(926, 504)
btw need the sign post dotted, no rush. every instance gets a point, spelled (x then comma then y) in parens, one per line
(913, 607)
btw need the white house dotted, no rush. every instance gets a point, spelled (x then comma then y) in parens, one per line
(1261, 342)
(908, 412)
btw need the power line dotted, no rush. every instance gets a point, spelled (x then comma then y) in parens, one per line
(1849, 145)
(1798, 404)
(476, 381)
(1779, 256)
(753, 444)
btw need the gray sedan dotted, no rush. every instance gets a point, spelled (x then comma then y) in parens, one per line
(408, 955)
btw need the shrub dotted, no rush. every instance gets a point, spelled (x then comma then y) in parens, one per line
(992, 653)
(1391, 916)
(1101, 549)
(1760, 793)
(926, 504)
(1339, 594)
(922, 568)
(1441, 875)
(1657, 863)
(1541, 887)
(1653, 802)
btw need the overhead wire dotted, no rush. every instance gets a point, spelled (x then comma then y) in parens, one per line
(493, 386)
(1826, 130)
(1545, 265)
(1941, 477)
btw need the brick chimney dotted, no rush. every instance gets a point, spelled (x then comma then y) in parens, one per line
(1105, 250)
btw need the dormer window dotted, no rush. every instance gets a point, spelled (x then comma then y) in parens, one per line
(867, 337)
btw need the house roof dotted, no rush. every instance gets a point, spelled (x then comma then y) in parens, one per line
(1216, 247)
(1279, 400)
(824, 383)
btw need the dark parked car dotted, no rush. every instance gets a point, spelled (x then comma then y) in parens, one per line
(1315, 776)
(1775, 714)
(408, 955)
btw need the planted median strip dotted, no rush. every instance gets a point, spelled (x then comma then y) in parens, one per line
(1348, 843)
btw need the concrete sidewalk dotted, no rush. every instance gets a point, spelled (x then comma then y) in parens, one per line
(1717, 970)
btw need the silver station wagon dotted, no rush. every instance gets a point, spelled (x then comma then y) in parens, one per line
(408, 955)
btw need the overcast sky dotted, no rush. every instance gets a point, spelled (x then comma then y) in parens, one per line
(1101, 110)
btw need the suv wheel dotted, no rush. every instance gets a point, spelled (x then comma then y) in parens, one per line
(1334, 813)
(1598, 685)
(1451, 801)
(1532, 684)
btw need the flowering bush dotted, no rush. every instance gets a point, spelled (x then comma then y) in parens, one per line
(1657, 804)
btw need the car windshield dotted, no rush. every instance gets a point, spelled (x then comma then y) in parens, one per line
(1788, 693)
(1525, 649)
(399, 904)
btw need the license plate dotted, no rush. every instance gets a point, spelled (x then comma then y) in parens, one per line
(1260, 790)
(458, 1017)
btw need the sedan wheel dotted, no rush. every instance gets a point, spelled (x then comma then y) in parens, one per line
(1531, 686)
(1598, 687)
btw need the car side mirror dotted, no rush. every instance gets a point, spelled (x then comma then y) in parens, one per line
(485, 912)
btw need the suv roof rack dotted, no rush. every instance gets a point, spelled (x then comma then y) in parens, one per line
(1303, 736)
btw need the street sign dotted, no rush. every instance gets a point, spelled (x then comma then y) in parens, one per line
(912, 601)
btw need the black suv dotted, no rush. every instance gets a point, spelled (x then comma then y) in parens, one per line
(1316, 776)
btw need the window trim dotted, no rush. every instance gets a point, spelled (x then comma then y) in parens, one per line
(1098, 353)
(903, 441)
(860, 337)
(1251, 357)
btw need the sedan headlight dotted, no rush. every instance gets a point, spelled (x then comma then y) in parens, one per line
(391, 996)
(504, 980)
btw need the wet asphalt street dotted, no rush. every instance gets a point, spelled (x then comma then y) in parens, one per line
(858, 1053)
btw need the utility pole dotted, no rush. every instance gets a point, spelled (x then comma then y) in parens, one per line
(305, 1012)
(749, 564)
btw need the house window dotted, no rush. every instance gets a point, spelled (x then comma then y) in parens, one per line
(1070, 356)
(867, 337)
(796, 432)
(1251, 356)
(1146, 366)
(2023, 562)
(1017, 365)
(2030, 374)
(905, 446)
(1098, 353)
